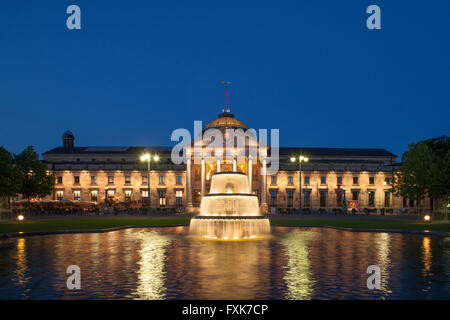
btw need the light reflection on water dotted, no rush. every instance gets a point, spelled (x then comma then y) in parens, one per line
(298, 275)
(163, 263)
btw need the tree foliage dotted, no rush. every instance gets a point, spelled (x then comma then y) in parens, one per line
(36, 181)
(424, 171)
(10, 177)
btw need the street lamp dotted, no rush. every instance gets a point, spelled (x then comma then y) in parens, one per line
(147, 157)
(300, 160)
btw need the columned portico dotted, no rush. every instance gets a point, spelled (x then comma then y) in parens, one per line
(218, 160)
(250, 171)
(203, 177)
(188, 183)
(264, 207)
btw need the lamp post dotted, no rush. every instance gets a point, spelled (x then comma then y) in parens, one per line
(300, 160)
(147, 157)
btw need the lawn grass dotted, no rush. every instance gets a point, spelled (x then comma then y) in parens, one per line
(105, 223)
(365, 224)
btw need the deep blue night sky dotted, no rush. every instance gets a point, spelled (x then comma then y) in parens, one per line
(139, 69)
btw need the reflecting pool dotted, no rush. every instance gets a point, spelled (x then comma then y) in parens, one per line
(164, 263)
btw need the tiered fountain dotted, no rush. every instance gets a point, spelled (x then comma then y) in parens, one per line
(229, 211)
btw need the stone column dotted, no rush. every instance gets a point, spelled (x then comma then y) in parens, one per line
(250, 172)
(264, 207)
(203, 176)
(218, 164)
(188, 184)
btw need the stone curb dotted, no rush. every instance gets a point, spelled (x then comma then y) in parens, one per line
(43, 233)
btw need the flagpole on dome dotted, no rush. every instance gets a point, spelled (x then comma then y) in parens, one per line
(226, 84)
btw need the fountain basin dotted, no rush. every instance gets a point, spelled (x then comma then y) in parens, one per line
(229, 204)
(230, 228)
(229, 211)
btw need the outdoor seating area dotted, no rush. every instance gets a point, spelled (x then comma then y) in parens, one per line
(66, 208)
(341, 212)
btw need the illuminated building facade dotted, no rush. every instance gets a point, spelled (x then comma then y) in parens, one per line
(91, 174)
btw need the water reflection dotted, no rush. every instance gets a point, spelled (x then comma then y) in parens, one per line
(220, 270)
(20, 273)
(426, 256)
(298, 276)
(383, 244)
(152, 254)
(163, 263)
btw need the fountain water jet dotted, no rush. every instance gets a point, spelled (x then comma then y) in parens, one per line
(229, 211)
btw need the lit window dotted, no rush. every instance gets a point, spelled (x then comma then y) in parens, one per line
(273, 179)
(94, 180)
(179, 197)
(197, 196)
(144, 180)
(76, 195)
(290, 180)
(162, 179)
(59, 195)
(273, 197)
(290, 198)
(162, 198)
(127, 195)
(94, 195)
(144, 194)
(111, 194)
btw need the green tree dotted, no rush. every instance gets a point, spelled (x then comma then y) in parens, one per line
(413, 178)
(425, 171)
(10, 176)
(10, 179)
(439, 186)
(36, 182)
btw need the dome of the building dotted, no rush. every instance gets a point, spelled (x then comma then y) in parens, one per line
(225, 120)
